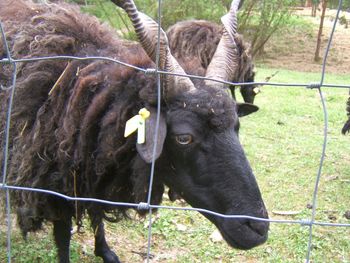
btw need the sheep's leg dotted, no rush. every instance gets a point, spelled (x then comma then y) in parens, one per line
(232, 88)
(62, 235)
(101, 247)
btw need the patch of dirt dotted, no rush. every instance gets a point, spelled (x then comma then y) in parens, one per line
(296, 49)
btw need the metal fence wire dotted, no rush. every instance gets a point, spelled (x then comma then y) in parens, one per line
(310, 222)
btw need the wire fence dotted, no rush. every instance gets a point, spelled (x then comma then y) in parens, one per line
(6, 188)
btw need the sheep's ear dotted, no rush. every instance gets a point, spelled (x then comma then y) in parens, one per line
(244, 109)
(146, 149)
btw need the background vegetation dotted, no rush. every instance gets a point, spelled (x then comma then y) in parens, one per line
(259, 20)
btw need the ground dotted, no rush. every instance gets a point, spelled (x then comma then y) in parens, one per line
(295, 51)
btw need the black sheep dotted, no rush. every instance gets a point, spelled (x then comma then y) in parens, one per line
(346, 126)
(194, 42)
(68, 122)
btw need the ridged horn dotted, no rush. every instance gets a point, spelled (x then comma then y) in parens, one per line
(147, 32)
(225, 61)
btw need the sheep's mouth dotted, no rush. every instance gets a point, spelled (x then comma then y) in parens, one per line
(242, 233)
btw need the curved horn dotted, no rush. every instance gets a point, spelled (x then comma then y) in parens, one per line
(225, 61)
(147, 32)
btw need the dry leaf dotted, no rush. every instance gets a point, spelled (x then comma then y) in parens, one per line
(216, 236)
(286, 213)
(181, 227)
(331, 177)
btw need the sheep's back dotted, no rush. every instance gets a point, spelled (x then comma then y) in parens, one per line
(68, 116)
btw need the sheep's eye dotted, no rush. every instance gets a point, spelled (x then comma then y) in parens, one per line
(184, 139)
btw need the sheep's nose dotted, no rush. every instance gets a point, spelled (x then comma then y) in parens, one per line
(260, 227)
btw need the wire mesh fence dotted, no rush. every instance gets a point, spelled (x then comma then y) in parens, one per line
(309, 222)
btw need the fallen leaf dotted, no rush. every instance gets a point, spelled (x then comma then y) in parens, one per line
(216, 236)
(181, 227)
(331, 178)
(286, 213)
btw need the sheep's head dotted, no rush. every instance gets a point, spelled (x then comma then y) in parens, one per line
(198, 135)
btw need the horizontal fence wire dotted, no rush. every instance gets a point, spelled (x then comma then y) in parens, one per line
(148, 206)
(161, 72)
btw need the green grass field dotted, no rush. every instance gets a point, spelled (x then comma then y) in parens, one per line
(283, 141)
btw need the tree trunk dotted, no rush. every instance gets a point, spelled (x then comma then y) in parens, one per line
(319, 36)
(308, 3)
(314, 9)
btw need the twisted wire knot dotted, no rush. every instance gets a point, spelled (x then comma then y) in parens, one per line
(150, 71)
(305, 222)
(143, 206)
(315, 85)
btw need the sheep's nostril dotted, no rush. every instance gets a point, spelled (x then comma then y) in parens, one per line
(263, 211)
(259, 227)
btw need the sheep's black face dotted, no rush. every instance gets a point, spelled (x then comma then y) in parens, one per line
(210, 170)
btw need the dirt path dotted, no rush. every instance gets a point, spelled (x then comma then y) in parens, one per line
(296, 50)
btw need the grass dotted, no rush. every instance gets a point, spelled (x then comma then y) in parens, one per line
(283, 141)
(39, 247)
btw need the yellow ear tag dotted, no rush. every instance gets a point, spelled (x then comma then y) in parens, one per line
(138, 123)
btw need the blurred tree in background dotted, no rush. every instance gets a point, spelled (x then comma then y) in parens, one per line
(258, 19)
